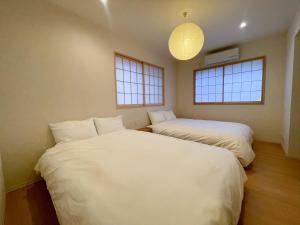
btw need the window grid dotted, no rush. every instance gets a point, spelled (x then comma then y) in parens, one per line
(131, 87)
(242, 83)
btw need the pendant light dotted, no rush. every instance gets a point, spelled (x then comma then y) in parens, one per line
(186, 40)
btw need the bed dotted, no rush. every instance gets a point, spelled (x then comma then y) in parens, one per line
(235, 137)
(131, 177)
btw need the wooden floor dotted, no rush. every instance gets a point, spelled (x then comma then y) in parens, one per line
(272, 194)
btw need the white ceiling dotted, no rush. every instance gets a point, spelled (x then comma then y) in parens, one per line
(150, 22)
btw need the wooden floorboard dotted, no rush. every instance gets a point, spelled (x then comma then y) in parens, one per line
(272, 194)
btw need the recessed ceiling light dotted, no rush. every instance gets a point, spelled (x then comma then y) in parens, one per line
(243, 25)
(104, 2)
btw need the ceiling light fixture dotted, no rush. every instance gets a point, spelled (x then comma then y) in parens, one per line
(243, 25)
(186, 40)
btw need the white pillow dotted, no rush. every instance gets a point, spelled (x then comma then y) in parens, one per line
(156, 117)
(109, 124)
(73, 130)
(169, 115)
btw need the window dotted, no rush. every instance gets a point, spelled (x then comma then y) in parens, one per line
(138, 83)
(232, 83)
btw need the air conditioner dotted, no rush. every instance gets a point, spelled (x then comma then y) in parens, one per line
(222, 56)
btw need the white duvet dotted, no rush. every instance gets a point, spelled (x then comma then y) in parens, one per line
(235, 137)
(138, 178)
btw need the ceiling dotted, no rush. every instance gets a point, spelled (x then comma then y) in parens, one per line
(150, 22)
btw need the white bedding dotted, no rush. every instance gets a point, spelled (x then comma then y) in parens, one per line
(235, 137)
(137, 178)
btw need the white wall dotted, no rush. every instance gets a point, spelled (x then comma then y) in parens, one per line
(56, 66)
(264, 119)
(294, 29)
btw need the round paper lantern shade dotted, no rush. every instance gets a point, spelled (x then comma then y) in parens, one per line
(186, 41)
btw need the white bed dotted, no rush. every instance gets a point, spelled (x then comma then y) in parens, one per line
(137, 178)
(235, 137)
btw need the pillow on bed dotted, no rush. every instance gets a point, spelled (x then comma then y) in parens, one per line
(109, 124)
(156, 117)
(73, 130)
(169, 115)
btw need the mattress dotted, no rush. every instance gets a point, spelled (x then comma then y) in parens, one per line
(137, 178)
(235, 137)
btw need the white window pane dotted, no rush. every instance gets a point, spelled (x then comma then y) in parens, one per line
(204, 90)
(198, 90)
(245, 96)
(127, 88)
(119, 63)
(119, 75)
(140, 89)
(211, 89)
(147, 99)
(198, 98)
(127, 98)
(134, 99)
(227, 87)
(126, 76)
(156, 90)
(256, 96)
(120, 99)
(151, 89)
(256, 86)
(156, 99)
(151, 72)
(152, 99)
(236, 87)
(140, 99)
(147, 90)
(228, 79)
(160, 82)
(237, 68)
(133, 66)
(246, 66)
(160, 91)
(219, 89)
(211, 73)
(151, 80)
(212, 81)
(160, 72)
(228, 70)
(219, 71)
(156, 72)
(257, 64)
(257, 75)
(198, 82)
(140, 78)
(246, 86)
(219, 80)
(126, 64)
(227, 97)
(146, 69)
(211, 97)
(237, 77)
(246, 76)
(204, 82)
(204, 98)
(133, 77)
(139, 68)
(134, 88)
(204, 74)
(236, 97)
(120, 87)
(146, 77)
(218, 97)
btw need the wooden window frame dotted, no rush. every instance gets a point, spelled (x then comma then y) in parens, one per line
(128, 106)
(262, 102)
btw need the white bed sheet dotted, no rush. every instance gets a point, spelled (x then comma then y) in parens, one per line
(235, 137)
(138, 178)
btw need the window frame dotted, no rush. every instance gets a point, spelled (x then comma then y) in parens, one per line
(128, 106)
(262, 102)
